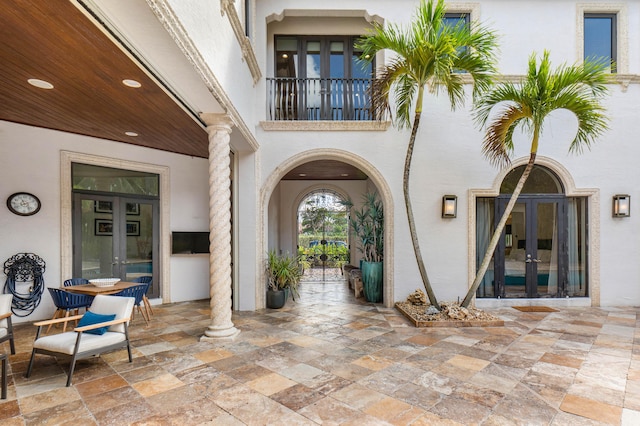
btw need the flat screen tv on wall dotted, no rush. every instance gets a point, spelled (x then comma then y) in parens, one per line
(189, 242)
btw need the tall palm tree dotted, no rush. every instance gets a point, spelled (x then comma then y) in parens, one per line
(431, 54)
(577, 88)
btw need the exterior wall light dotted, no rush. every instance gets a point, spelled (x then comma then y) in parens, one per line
(621, 205)
(449, 206)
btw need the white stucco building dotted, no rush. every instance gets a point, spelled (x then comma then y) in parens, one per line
(218, 62)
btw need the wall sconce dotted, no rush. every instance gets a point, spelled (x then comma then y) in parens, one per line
(621, 205)
(449, 206)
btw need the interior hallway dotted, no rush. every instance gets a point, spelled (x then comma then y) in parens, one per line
(331, 359)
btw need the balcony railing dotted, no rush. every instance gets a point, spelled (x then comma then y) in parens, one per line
(313, 99)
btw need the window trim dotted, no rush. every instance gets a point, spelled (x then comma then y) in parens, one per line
(622, 31)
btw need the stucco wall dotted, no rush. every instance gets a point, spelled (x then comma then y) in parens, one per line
(30, 161)
(448, 159)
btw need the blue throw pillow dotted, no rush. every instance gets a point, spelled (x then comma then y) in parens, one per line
(89, 318)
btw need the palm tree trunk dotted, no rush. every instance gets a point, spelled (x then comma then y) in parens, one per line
(498, 231)
(407, 203)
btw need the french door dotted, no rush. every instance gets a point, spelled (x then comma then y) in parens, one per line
(531, 258)
(116, 236)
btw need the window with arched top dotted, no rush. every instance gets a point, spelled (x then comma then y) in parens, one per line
(541, 181)
(543, 251)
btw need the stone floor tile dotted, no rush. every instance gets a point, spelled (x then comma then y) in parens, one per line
(331, 358)
(157, 385)
(270, 384)
(630, 417)
(592, 409)
(388, 409)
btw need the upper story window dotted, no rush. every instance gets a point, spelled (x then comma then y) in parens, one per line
(247, 17)
(319, 78)
(600, 40)
(461, 18)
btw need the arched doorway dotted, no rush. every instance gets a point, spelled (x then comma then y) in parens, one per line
(323, 235)
(274, 235)
(542, 252)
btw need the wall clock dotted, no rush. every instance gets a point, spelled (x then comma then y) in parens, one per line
(23, 204)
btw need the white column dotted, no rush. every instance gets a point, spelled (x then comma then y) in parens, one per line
(219, 130)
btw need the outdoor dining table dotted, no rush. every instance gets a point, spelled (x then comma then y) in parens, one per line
(93, 290)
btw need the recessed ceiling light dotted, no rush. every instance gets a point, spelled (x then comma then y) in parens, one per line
(302, 174)
(285, 56)
(40, 83)
(134, 134)
(344, 174)
(131, 83)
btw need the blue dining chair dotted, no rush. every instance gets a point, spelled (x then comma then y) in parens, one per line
(75, 281)
(66, 302)
(137, 292)
(147, 279)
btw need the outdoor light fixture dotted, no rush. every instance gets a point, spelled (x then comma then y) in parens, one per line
(621, 205)
(449, 206)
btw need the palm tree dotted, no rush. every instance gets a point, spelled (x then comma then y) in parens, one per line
(578, 89)
(429, 54)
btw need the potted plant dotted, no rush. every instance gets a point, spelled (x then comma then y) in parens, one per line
(283, 273)
(367, 224)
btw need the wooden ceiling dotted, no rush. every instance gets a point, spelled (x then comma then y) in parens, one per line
(54, 41)
(325, 170)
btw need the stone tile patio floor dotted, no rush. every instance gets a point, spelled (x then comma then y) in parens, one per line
(331, 359)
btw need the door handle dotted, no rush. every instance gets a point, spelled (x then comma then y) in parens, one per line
(529, 259)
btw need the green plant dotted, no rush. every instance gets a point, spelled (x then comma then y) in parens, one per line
(428, 54)
(367, 224)
(283, 272)
(578, 88)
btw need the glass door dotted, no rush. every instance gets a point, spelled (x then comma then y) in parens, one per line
(116, 236)
(531, 256)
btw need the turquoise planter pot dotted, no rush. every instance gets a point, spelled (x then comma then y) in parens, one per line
(372, 281)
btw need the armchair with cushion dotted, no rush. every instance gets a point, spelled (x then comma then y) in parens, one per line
(98, 336)
(6, 327)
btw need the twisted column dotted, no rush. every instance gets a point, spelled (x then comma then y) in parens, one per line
(219, 130)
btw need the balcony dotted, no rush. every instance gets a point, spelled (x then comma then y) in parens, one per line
(316, 99)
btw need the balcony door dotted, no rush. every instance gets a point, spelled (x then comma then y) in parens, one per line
(320, 78)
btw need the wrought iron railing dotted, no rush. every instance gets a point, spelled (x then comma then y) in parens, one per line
(313, 99)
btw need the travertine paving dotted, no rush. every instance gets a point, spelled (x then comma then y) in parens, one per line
(331, 359)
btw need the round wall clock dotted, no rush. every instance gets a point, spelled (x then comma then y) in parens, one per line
(23, 204)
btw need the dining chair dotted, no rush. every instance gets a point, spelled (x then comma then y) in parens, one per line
(103, 328)
(75, 281)
(147, 305)
(137, 292)
(6, 327)
(66, 302)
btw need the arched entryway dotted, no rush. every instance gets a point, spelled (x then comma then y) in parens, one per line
(280, 198)
(546, 248)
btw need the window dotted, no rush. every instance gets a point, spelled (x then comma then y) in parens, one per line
(319, 78)
(247, 18)
(453, 19)
(600, 43)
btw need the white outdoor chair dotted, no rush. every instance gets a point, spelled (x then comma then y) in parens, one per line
(81, 342)
(6, 328)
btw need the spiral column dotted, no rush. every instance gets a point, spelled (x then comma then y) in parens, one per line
(219, 130)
